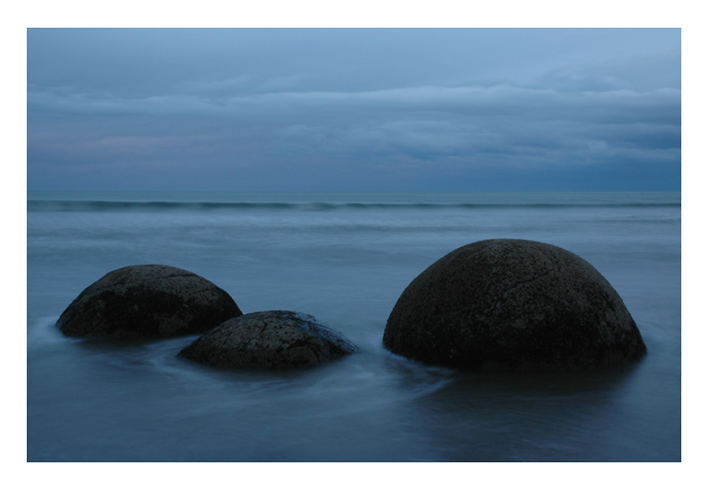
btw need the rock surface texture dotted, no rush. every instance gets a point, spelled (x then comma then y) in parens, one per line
(513, 304)
(268, 340)
(147, 301)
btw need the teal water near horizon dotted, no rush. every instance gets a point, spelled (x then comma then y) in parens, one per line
(412, 198)
(344, 258)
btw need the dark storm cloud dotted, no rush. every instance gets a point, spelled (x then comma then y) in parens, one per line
(368, 109)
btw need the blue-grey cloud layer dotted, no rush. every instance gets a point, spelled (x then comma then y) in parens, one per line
(354, 109)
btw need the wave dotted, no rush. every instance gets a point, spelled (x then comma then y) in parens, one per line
(84, 205)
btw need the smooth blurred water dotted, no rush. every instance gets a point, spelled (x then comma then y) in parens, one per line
(344, 259)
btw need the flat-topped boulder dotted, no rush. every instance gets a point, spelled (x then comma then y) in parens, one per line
(268, 340)
(513, 304)
(147, 301)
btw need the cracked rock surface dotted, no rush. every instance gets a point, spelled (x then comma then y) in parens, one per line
(513, 304)
(268, 340)
(147, 301)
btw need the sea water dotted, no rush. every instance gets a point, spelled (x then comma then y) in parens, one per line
(344, 258)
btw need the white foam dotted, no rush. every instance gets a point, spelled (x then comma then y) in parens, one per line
(44, 332)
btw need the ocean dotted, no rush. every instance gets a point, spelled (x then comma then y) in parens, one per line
(344, 258)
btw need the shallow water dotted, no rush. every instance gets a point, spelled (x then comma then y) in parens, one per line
(344, 259)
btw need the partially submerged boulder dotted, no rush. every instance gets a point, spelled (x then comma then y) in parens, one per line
(147, 301)
(513, 304)
(268, 340)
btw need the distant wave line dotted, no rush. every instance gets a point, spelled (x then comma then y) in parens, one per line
(86, 205)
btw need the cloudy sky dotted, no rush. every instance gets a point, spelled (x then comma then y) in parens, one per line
(354, 110)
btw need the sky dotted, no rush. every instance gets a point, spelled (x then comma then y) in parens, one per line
(354, 110)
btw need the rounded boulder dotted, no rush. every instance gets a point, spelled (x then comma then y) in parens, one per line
(147, 301)
(268, 340)
(513, 304)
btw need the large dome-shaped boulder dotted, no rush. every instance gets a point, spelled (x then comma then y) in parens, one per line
(147, 301)
(268, 340)
(513, 304)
